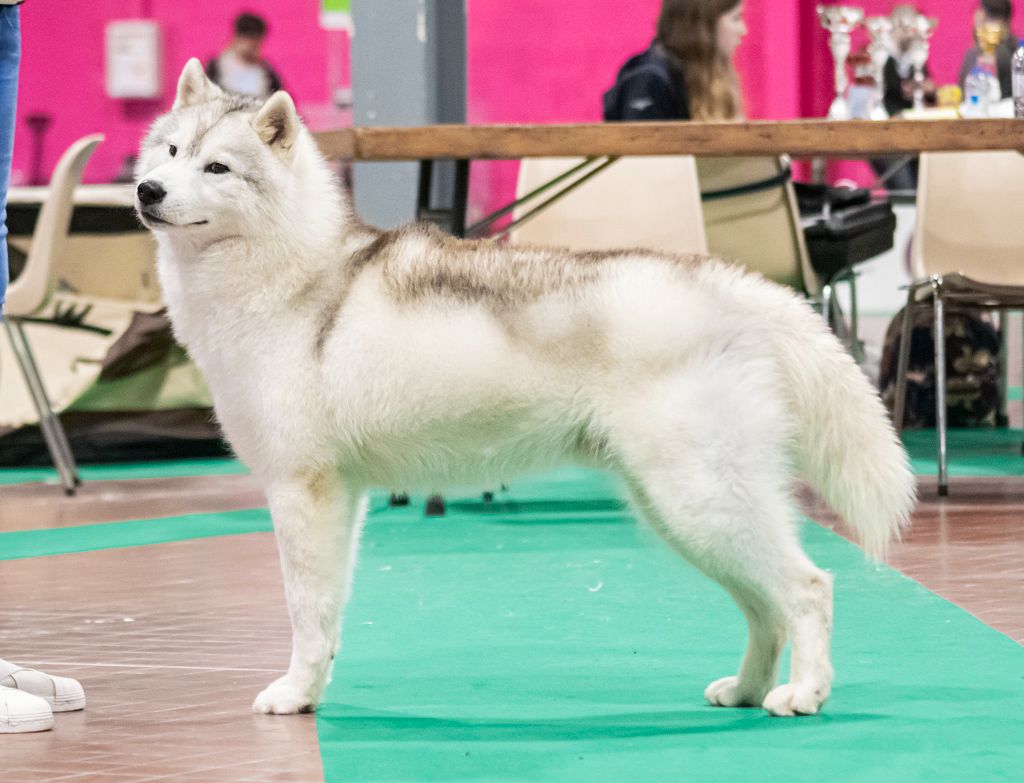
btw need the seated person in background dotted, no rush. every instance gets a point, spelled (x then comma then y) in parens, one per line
(999, 12)
(240, 68)
(898, 78)
(687, 72)
(898, 87)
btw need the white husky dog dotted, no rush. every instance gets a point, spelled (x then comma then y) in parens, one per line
(342, 357)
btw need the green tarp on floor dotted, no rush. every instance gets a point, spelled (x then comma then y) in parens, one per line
(133, 470)
(554, 639)
(972, 452)
(550, 638)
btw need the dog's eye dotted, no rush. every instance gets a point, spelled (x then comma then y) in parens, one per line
(216, 168)
(173, 150)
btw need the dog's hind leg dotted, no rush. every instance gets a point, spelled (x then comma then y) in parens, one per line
(752, 551)
(317, 521)
(716, 487)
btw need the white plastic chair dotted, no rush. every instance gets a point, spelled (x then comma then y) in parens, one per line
(751, 216)
(650, 202)
(743, 209)
(31, 290)
(968, 251)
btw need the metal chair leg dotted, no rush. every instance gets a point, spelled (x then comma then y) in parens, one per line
(854, 320)
(856, 346)
(1003, 324)
(940, 389)
(903, 363)
(54, 419)
(826, 303)
(51, 415)
(49, 424)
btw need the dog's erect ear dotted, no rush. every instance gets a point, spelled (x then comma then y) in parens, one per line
(277, 122)
(194, 87)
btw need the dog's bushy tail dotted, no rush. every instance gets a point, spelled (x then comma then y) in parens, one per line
(848, 449)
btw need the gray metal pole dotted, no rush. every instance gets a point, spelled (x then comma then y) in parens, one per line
(408, 68)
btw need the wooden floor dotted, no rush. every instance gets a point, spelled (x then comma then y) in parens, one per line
(172, 649)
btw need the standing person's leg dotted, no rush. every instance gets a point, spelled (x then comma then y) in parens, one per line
(10, 55)
(19, 711)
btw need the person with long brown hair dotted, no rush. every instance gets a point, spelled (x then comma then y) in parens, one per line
(688, 71)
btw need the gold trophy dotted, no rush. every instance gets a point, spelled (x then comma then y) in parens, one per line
(840, 21)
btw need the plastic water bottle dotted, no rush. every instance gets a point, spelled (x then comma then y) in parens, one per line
(1018, 80)
(977, 94)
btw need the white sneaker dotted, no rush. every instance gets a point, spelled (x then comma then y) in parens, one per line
(22, 712)
(63, 694)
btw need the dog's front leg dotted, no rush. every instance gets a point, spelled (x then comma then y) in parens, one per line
(317, 520)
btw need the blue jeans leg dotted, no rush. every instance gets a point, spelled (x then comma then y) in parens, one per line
(10, 55)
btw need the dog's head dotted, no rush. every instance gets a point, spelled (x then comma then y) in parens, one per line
(217, 165)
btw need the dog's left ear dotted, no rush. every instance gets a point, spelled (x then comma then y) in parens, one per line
(194, 87)
(277, 123)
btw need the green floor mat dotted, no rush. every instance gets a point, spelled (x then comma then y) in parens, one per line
(552, 640)
(217, 466)
(548, 637)
(970, 452)
(117, 535)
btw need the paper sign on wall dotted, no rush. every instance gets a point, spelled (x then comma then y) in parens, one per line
(133, 59)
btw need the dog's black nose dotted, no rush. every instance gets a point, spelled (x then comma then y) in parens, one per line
(151, 192)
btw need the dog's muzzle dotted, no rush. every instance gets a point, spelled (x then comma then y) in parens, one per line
(150, 192)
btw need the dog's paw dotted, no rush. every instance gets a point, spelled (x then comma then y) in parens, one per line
(727, 692)
(283, 698)
(792, 699)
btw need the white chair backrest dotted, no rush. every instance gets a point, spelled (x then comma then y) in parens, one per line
(32, 287)
(761, 229)
(970, 216)
(649, 202)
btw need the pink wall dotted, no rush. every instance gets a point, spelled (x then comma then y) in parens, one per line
(529, 61)
(62, 66)
(538, 61)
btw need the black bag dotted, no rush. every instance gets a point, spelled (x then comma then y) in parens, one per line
(972, 369)
(843, 226)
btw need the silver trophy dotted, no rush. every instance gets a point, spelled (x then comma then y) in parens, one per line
(840, 21)
(880, 50)
(919, 29)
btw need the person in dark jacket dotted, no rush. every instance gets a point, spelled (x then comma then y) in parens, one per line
(240, 68)
(999, 12)
(687, 72)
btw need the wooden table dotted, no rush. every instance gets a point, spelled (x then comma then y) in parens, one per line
(797, 138)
